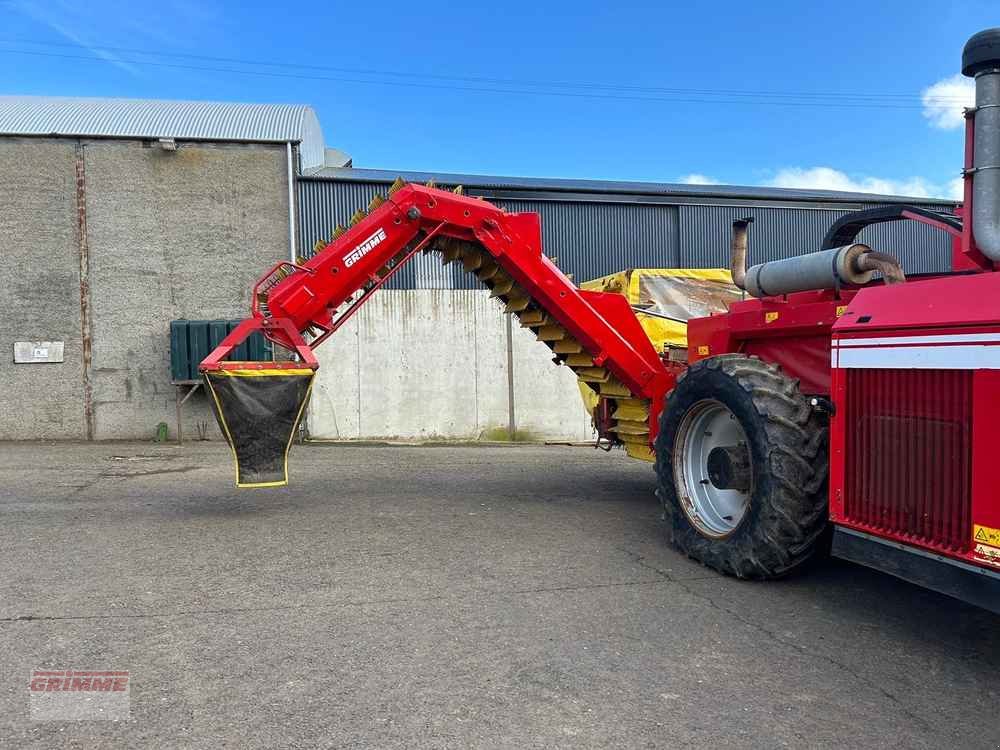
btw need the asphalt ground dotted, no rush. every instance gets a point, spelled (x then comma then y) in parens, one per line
(404, 597)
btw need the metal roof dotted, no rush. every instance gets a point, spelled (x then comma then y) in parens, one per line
(154, 118)
(552, 187)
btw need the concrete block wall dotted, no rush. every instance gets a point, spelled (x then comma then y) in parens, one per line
(41, 289)
(432, 364)
(171, 234)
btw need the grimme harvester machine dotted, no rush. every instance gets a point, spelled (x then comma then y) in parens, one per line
(831, 400)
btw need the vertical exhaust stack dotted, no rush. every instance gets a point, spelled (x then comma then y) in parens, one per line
(981, 60)
(738, 264)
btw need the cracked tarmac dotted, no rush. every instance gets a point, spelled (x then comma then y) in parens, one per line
(448, 597)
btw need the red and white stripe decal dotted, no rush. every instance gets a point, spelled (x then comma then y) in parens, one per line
(966, 351)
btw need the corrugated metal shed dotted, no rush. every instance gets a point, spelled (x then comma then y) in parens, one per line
(607, 191)
(154, 118)
(597, 228)
(595, 239)
(782, 232)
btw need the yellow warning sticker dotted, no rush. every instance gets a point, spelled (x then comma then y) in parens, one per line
(989, 555)
(986, 535)
(841, 309)
(770, 317)
(703, 351)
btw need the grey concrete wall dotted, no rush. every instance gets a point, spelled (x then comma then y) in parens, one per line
(41, 289)
(171, 235)
(432, 364)
(185, 234)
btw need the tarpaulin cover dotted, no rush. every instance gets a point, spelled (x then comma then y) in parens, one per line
(681, 293)
(258, 411)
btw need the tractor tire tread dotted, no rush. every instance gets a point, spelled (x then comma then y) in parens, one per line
(788, 514)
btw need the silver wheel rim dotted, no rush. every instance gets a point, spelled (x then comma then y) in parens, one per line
(707, 425)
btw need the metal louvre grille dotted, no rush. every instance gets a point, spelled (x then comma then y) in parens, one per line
(908, 457)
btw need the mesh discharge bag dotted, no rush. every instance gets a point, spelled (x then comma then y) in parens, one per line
(258, 411)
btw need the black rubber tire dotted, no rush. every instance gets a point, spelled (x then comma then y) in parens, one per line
(788, 512)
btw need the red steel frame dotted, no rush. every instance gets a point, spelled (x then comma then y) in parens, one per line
(322, 293)
(792, 331)
(946, 314)
(276, 329)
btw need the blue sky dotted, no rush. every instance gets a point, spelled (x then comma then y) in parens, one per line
(788, 93)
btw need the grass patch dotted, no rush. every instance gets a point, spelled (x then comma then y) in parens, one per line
(502, 435)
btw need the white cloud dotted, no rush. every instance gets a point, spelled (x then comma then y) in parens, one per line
(956, 188)
(828, 178)
(698, 179)
(944, 100)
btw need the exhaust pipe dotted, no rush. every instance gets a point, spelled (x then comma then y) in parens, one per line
(852, 265)
(738, 264)
(884, 263)
(981, 60)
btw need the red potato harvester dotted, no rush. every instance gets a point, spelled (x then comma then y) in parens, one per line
(842, 406)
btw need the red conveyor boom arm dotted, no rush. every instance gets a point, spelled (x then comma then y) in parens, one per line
(326, 290)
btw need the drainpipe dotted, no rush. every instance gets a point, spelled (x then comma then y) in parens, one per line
(292, 254)
(511, 422)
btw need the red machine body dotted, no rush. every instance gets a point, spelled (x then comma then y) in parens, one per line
(792, 331)
(913, 375)
(916, 384)
(909, 373)
(912, 372)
